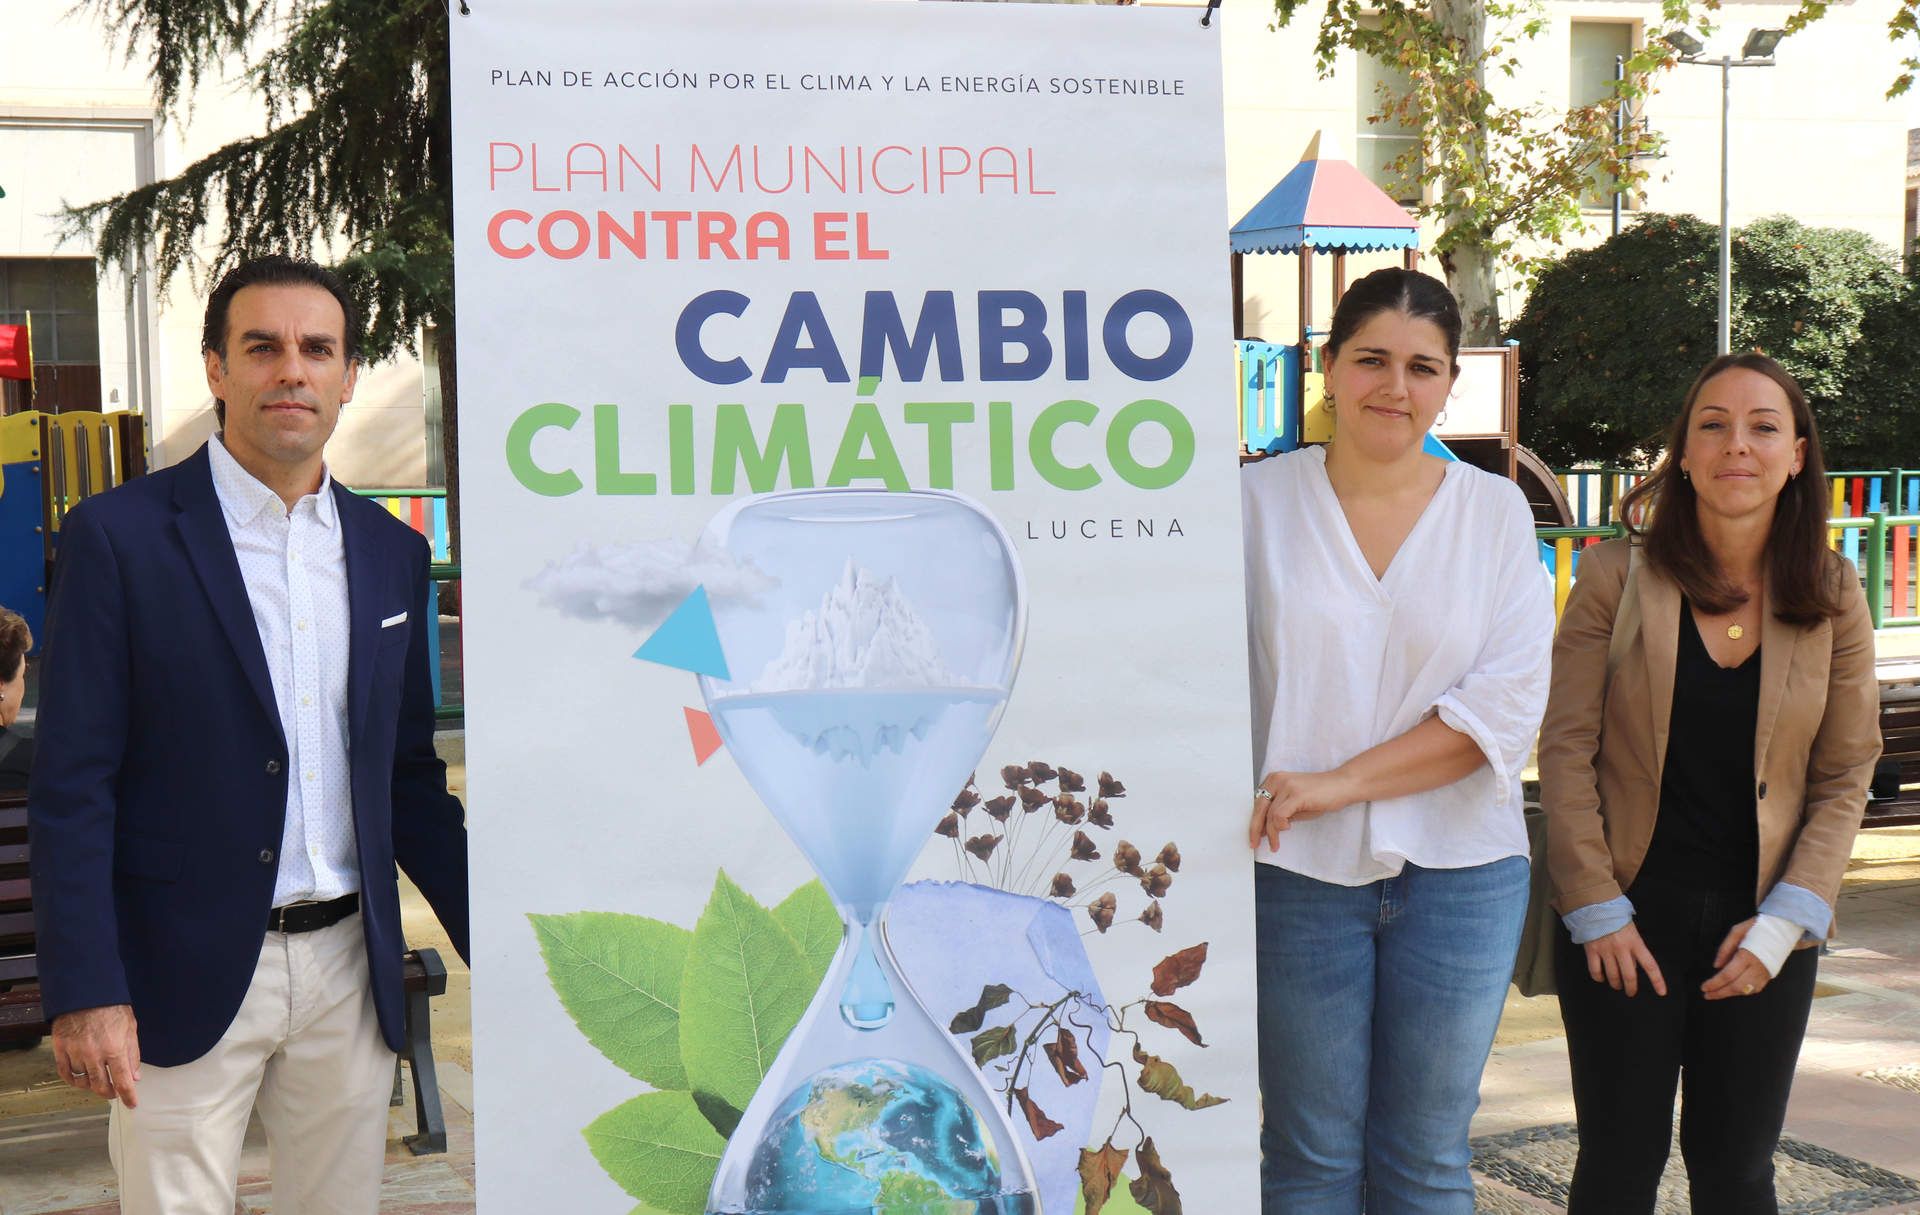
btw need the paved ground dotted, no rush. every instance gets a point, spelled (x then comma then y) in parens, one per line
(1853, 1128)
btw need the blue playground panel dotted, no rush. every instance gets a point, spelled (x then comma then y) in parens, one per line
(23, 553)
(1269, 396)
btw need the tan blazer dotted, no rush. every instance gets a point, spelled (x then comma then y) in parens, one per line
(1815, 740)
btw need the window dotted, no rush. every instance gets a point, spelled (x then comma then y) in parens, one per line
(61, 294)
(1593, 47)
(1377, 145)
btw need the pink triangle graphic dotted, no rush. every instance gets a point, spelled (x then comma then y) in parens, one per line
(706, 739)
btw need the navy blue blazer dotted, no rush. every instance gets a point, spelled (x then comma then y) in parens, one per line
(159, 792)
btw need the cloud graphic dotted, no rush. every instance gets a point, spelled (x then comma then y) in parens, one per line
(639, 584)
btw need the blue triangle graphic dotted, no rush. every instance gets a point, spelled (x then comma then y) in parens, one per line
(687, 640)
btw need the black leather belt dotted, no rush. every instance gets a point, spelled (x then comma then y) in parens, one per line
(307, 917)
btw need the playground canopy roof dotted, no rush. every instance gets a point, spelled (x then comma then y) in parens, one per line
(1325, 203)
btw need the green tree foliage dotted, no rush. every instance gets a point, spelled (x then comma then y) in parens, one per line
(1502, 179)
(1612, 336)
(356, 155)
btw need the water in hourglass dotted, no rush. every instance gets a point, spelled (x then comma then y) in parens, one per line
(856, 733)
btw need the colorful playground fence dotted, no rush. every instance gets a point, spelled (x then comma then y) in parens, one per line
(1875, 524)
(425, 510)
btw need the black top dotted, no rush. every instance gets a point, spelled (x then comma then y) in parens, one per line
(1708, 831)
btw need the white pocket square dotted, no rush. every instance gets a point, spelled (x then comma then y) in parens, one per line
(390, 621)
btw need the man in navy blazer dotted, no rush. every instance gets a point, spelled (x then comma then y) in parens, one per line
(235, 749)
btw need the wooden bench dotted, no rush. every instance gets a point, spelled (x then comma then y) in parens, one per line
(22, 1021)
(1894, 799)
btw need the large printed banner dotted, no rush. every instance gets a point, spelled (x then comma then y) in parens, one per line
(855, 657)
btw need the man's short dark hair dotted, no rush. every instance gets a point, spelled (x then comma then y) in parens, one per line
(276, 270)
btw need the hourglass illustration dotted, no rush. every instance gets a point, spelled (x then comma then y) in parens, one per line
(865, 687)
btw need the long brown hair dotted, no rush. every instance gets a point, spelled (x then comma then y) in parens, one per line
(1799, 572)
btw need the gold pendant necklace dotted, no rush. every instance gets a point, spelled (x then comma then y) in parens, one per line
(1735, 632)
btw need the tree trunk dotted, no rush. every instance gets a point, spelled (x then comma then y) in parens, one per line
(1468, 264)
(1470, 274)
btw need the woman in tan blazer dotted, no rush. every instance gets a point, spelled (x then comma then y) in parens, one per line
(1703, 797)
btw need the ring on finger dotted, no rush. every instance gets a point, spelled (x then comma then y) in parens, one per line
(79, 1075)
(1747, 990)
(1263, 794)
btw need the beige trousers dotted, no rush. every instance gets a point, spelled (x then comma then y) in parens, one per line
(306, 1047)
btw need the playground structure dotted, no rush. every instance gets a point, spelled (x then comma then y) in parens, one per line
(49, 463)
(1324, 205)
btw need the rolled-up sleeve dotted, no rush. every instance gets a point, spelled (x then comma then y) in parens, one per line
(1498, 704)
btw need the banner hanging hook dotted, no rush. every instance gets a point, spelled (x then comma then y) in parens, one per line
(1206, 18)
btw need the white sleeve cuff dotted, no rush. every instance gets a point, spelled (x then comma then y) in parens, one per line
(1771, 939)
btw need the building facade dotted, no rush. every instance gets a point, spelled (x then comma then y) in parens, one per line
(1812, 137)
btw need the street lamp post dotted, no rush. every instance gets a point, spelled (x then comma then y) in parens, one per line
(1757, 52)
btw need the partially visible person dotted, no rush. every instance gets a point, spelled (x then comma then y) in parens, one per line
(1702, 799)
(16, 743)
(235, 751)
(1399, 628)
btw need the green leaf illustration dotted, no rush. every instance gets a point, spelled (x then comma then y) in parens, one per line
(810, 919)
(659, 1149)
(745, 986)
(618, 977)
(993, 1043)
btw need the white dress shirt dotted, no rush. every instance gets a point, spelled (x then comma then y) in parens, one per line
(295, 569)
(1341, 661)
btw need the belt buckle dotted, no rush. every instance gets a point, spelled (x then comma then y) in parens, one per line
(281, 914)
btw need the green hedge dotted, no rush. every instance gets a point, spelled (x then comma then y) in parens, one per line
(1612, 336)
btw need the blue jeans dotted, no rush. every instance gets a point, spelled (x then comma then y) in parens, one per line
(1378, 1006)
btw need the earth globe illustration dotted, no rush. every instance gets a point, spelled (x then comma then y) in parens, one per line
(864, 683)
(874, 1134)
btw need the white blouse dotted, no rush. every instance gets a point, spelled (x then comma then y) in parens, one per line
(1461, 625)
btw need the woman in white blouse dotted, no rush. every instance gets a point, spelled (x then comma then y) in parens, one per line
(1400, 627)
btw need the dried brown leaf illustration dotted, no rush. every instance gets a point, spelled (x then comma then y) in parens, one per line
(1099, 1169)
(1064, 1053)
(1037, 1121)
(1101, 911)
(1176, 970)
(1162, 1079)
(1174, 1017)
(992, 996)
(1083, 849)
(1153, 1189)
